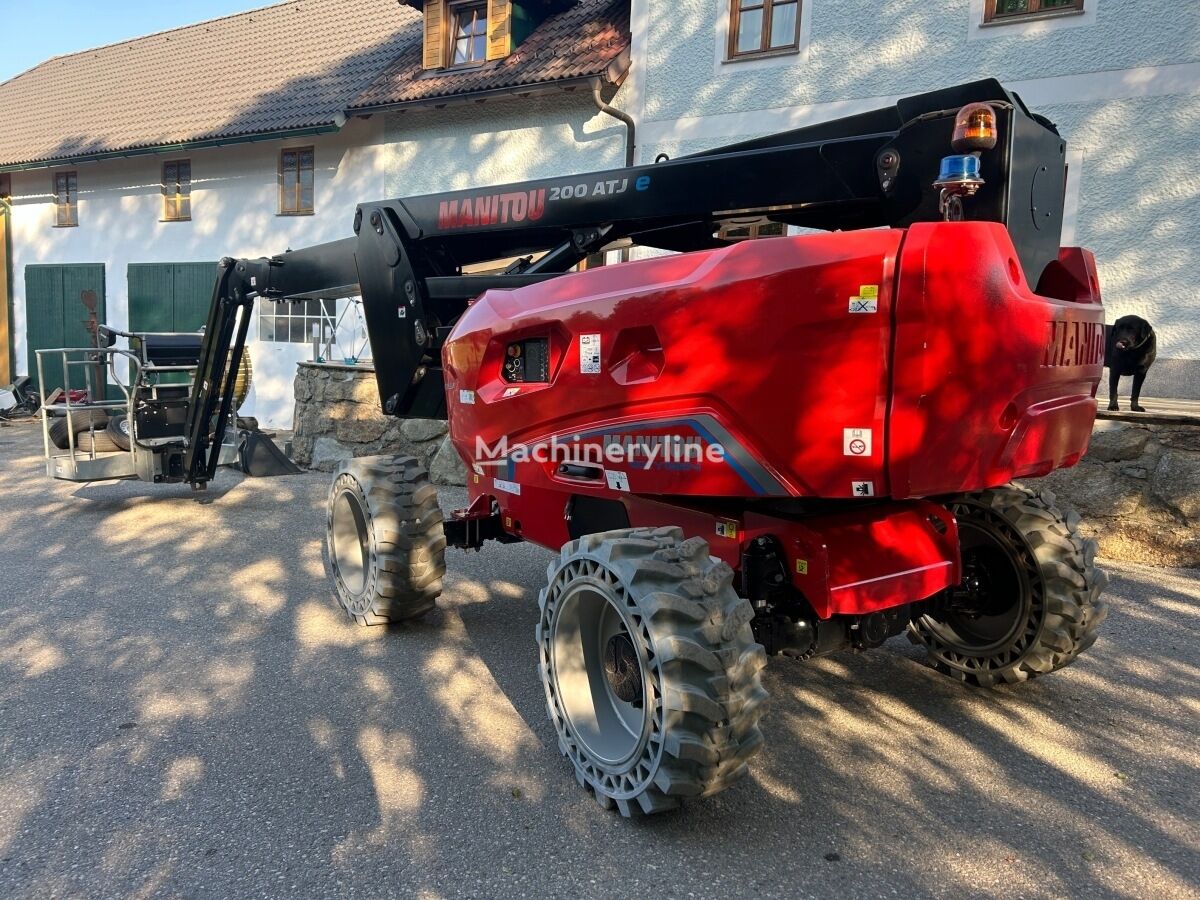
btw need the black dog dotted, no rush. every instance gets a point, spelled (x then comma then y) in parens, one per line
(1130, 348)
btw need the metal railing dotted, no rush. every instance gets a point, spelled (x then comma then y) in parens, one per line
(139, 459)
(88, 360)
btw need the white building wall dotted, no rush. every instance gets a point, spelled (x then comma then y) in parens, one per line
(235, 200)
(1122, 81)
(234, 213)
(476, 145)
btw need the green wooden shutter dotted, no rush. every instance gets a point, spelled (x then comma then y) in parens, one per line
(170, 296)
(151, 297)
(57, 317)
(193, 284)
(76, 280)
(44, 320)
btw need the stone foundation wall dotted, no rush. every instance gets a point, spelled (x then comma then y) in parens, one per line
(1138, 490)
(338, 418)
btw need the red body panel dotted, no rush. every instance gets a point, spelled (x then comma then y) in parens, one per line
(883, 363)
(991, 382)
(752, 344)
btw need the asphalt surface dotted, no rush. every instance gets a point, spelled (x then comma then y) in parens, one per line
(184, 712)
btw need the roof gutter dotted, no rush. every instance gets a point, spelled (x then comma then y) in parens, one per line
(172, 148)
(523, 90)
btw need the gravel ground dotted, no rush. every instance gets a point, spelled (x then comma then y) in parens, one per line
(184, 712)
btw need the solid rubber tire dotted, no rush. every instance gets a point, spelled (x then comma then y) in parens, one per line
(1069, 610)
(700, 661)
(404, 544)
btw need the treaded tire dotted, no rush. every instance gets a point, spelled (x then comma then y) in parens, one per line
(1063, 610)
(81, 420)
(386, 544)
(99, 441)
(700, 667)
(118, 432)
(241, 384)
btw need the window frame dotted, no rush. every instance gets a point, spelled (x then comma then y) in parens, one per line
(1035, 11)
(453, 11)
(756, 230)
(764, 49)
(181, 199)
(295, 311)
(299, 209)
(72, 203)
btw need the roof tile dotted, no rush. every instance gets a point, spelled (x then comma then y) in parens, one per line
(295, 65)
(290, 66)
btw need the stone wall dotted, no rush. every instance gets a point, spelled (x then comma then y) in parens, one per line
(1138, 490)
(338, 418)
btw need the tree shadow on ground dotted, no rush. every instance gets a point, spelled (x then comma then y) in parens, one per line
(184, 710)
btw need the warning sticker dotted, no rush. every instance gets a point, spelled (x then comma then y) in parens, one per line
(802, 567)
(869, 292)
(727, 529)
(856, 441)
(617, 481)
(863, 488)
(864, 305)
(466, 397)
(509, 487)
(511, 392)
(589, 354)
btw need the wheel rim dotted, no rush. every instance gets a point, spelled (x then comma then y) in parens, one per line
(349, 540)
(994, 614)
(599, 675)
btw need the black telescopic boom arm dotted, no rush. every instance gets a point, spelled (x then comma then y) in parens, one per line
(220, 355)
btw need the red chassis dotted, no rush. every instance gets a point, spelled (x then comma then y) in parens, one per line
(833, 391)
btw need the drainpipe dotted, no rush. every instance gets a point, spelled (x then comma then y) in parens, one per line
(630, 127)
(630, 135)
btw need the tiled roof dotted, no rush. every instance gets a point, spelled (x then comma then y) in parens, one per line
(591, 38)
(291, 66)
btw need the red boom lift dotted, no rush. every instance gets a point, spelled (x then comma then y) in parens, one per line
(797, 445)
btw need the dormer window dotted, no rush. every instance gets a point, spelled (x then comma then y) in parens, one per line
(463, 33)
(468, 33)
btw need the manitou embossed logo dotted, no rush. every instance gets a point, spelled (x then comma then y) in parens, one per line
(1074, 344)
(492, 209)
(521, 206)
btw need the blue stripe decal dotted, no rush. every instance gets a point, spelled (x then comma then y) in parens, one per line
(749, 479)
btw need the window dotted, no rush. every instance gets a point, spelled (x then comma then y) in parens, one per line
(292, 323)
(744, 231)
(296, 181)
(177, 190)
(66, 200)
(1005, 10)
(763, 26)
(468, 34)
